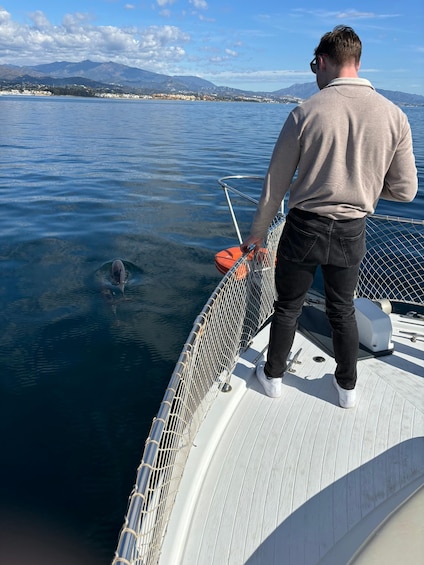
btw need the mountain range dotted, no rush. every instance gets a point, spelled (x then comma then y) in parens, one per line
(121, 78)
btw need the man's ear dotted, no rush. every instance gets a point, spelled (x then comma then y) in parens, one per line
(321, 62)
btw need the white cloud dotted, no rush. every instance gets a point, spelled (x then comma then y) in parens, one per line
(156, 48)
(73, 22)
(258, 76)
(199, 4)
(355, 14)
(5, 17)
(165, 2)
(346, 14)
(39, 19)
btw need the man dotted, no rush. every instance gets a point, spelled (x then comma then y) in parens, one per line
(350, 146)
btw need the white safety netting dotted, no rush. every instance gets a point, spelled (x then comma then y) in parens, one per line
(393, 267)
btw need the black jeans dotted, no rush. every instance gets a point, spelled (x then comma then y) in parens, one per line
(309, 240)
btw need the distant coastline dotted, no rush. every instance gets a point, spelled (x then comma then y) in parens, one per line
(114, 81)
(202, 97)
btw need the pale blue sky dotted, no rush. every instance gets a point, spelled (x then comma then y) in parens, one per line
(257, 45)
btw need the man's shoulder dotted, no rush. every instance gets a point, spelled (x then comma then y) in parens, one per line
(380, 103)
(313, 103)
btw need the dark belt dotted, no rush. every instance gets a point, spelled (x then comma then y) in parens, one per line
(304, 214)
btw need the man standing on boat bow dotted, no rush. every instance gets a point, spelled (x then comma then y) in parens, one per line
(350, 146)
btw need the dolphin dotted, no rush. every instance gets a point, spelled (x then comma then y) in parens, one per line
(118, 274)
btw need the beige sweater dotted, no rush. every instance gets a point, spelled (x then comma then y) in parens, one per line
(350, 147)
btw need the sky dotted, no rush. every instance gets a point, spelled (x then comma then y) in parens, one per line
(259, 45)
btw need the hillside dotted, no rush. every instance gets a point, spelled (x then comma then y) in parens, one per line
(114, 77)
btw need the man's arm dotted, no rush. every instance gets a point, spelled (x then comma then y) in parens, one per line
(282, 167)
(401, 181)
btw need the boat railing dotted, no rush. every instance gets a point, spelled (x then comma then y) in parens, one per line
(229, 190)
(240, 305)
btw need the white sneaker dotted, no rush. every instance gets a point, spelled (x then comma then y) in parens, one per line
(347, 398)
(271, 386)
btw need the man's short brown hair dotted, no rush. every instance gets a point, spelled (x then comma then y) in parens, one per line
(341, 45)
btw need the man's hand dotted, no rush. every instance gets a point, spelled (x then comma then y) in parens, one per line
(251, 243)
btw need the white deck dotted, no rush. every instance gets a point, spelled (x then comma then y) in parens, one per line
(299, 480)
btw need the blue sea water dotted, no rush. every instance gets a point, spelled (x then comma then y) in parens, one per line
(82, 367)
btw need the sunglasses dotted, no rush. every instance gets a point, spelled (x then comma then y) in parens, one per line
(313, 64)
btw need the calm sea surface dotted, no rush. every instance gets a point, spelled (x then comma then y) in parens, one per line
(83, 371)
